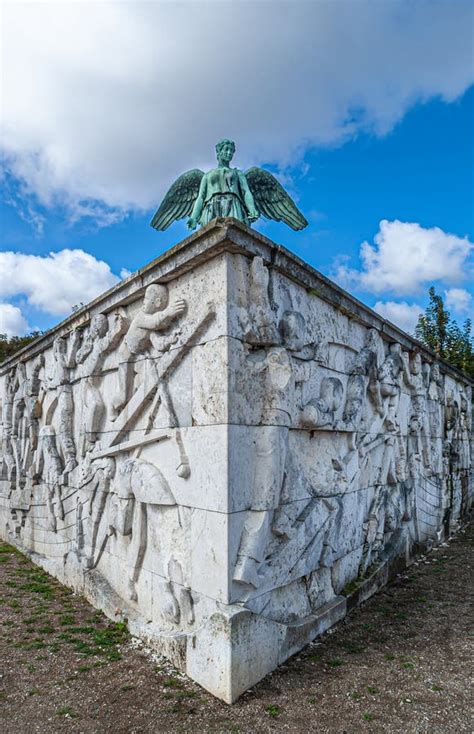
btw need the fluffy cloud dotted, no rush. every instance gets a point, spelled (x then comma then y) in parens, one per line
(458, 299)
(107, 102)
(406, 256)
(54, 283)
(402, 314)
(12, 322)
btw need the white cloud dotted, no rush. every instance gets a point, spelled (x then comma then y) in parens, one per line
(406, 256)
(54, 283)
(404, 315)
(108, 102)
(12, 322)
(459, 299)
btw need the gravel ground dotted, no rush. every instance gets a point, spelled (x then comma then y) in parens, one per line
(401, 663)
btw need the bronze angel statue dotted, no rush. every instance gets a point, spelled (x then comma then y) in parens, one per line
(227, 192)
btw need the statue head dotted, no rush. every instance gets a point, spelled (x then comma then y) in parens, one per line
(331, 393)
(107, 467)
(416, 364)
(225, 150)
(292, 327)
(59, 346)
(372, 339)
(21, 371)
(436, 372)
(99, 325)
(155, 298)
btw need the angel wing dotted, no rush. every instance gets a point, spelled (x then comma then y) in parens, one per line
(271, 199)
(179, 200)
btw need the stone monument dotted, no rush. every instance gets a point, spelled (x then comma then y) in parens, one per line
(228, 450)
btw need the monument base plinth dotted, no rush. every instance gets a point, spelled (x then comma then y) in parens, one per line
(229, 451)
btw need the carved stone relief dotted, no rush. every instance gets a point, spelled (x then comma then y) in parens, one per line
(349, 450)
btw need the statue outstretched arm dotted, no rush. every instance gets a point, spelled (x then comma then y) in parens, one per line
(198, 205)
(162, 319)
(248, 198)
(75, 345)
(85, 349)
(112, 339)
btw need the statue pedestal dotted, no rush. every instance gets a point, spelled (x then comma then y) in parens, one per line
(230, 458)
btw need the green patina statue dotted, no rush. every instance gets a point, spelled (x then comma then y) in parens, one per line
(227, 192)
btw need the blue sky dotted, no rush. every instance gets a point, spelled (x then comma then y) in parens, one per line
(404, 157)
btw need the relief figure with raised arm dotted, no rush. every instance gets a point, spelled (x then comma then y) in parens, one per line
(143, 337)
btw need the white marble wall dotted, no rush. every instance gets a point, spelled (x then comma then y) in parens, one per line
(224, 457)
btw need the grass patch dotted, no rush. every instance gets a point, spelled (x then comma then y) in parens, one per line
(84, 648)
(96, 618)
(66, 636)
(114, 634)
(48, 630)
(82, 630)
(67, 712)
(113, 656)
(67, 620)
(182, 695)
(34, 645)
(273, 711)
(353, 648)
(38, 587)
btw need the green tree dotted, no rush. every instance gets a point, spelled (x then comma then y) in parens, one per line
(439, 332)
(11, 344)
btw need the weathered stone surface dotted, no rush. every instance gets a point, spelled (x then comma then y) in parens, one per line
(224, 447)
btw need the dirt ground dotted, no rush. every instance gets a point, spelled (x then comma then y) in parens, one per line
(401, 663)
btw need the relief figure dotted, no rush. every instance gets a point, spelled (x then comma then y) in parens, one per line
(60, 380)
(282, 371)
(48, 469)
(419, 424)
(363, 382)
(143, 337)
(8, 454)
(100, 340)
(95, 489)
(260, 329)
